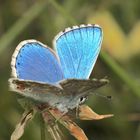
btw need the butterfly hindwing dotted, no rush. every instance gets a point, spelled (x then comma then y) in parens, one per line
(42, 92)
(32, 60)
(27, 86)
(81, 86)
(78, 48)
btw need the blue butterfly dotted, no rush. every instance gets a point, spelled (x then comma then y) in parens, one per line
(59, 79)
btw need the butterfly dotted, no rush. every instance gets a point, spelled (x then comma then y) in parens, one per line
(59, 78)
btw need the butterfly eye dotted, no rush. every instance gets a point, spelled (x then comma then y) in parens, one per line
(82, 100)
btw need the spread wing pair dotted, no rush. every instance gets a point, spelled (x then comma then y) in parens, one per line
(66, 72)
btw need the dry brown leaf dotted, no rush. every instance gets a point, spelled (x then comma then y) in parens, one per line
(73, 128)
(52, 127)
(19, 130)
(86, 113)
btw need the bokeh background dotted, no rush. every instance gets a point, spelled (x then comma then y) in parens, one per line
(119, 60)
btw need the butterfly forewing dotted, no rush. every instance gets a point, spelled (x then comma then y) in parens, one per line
(32, 60)
(78, 49)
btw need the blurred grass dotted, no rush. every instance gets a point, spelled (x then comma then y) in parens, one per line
(42, 20)
(21, 24)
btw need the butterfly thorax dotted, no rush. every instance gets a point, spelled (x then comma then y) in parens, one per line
(54, 96)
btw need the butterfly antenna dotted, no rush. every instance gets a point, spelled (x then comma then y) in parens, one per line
(103, 96)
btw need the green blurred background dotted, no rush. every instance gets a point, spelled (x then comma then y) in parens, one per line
(119, 60)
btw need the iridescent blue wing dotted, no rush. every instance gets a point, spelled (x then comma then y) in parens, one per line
(78, 49)
(32, 60)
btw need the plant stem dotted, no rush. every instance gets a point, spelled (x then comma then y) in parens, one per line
(42, 128)
(116, 68)
(21, 24)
